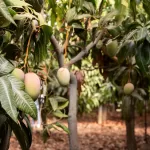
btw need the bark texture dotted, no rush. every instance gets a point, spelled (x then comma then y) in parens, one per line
(130, 125)
(72, 115)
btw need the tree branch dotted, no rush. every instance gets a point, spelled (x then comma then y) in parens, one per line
(86, 50)
(59, 50)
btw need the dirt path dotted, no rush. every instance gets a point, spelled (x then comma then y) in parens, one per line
(110, 136)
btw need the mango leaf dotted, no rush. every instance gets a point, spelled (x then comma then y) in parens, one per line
(40, 18)
(40, 52)
(63, 105)
(137, 96)
(141, 60)
(141, 34)
(11, 51)
(53, 7)
(36, 4)
(23, 16)
(62, 127)
(5, 13)
(89, 6)
(16, 3)
(45, 133)
(127, 49)
(133, 8)
(77, 25)
(5, 136)
(23, 101)
(22, 135)
(59, 114)
(78, 17)
(7, 98)
(53, 103)
(146, 4)
(71, 14)
(60, 99)
(5, 66)
(3, 119)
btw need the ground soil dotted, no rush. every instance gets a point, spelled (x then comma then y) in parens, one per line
(109, 136)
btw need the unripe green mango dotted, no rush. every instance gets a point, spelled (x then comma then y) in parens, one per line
(128, 88)
(112, 48)
(63, 76)
(32, 84)
(18, 73)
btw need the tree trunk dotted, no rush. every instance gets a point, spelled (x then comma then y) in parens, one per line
(130, 125)
(102, 114)
(72, 115)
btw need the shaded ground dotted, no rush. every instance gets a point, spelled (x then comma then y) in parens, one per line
(109, 136)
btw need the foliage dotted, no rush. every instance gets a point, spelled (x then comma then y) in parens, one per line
(94, 90)
(20, 40)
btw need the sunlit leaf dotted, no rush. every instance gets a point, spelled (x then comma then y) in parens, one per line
(5, 13)
(59, 114)
(7, 98)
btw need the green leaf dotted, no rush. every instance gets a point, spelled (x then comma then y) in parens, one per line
(40, 18)
(62, 127)
(23, 101)
(21, 135)
(141, 60)
(141, 34)
(60, 99)
(127, 49)
(146, 4)
(5, 136)
(23, 16)
(3, 119)
(7, 98)
(63, 105)
(37, 5)
(5, 66)
(5, 13)
(78, 17)
(16, 3)
(137, 96)
(133, 8)
(53, 103)
(71, 14)
(59, 114)
(40, 52)
(89, 6)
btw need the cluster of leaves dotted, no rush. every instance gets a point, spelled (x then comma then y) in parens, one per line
(24, 31)
(14, 102)
(56, 101)
(24, 36)
(131, 63)
(94, 91)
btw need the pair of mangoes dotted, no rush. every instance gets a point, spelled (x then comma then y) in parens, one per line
(31, 81)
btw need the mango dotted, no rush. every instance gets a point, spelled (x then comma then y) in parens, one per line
(63, 76)
(112, 48)
(128, 88)
(32, 85)
(18, 73)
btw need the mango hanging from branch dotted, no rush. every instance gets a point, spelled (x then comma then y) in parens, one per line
(112, 48)
(18, 73)
(63, 76)
(32, 85)
(128, 88)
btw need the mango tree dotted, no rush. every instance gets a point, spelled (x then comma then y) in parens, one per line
(20, 41)
(124, 57)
